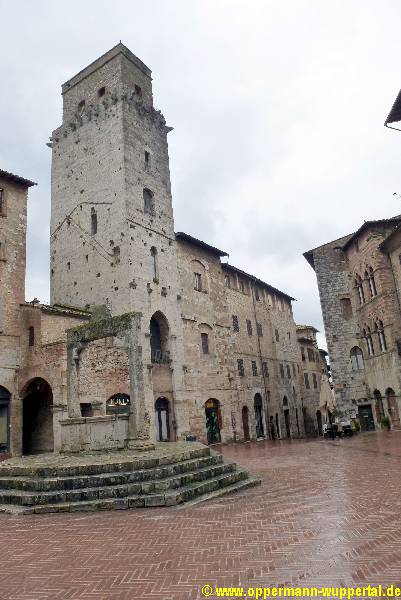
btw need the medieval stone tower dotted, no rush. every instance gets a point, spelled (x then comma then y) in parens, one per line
(112, 227)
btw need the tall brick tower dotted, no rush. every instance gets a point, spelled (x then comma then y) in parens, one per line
(112, 227)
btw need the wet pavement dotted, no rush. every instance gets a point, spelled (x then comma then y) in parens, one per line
(327, 513)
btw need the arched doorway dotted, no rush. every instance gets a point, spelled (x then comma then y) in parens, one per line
(258, 406)
(118, 404)
(213, 421)
(272, 430)
(287, 420)
(319, 422)
(37, 419)
(245, 423)
(4, 420)
(159, 338)
(393, 408)
(162, 420)
(378, 406)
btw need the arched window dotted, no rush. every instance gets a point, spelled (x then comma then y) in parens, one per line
(155, 268)
(31, 336)
(380, 333)
(205, 343)
(356, 355)
(372, 283)
(359, 289)
(369, 342)
(159, 337)
(148, 205)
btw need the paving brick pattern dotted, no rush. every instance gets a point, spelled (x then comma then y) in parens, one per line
(327, 513)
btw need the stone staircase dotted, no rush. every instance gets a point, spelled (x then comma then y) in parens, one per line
(190, 475)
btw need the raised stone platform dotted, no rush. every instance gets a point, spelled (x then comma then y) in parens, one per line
(171, 474)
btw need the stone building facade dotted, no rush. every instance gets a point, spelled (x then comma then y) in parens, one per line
(150, 334)
(358, 278)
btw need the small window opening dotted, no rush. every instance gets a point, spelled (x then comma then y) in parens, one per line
(153, 252)
(138, 91)
(93, 222)
(81, 106)
(249, 326)
(235, 323)
(254, 368)
(147, 201)
(241, 370)
(1, 201)
(205, 343)
(198, 282)
(86, 409)
(147, 160)
(31, 336)
(101, 92)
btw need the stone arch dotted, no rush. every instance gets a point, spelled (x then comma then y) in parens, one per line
(118, 404)
(159, 338)
(37, 417)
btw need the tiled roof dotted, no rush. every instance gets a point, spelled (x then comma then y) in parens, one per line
(16, 179)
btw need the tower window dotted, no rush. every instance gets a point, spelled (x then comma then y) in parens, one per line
(205, 343)
(259, 329)
(227, 281)
(235, 323)
(93, 221)
(101, 92)
(81, 106)
(249, 326)
(241, 370)
(153, 252)
(31, 336)
(138, 91)
(254, 368)
(198, 282)
(147, 160)
(148, 201)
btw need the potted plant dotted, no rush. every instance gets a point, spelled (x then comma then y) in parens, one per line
(385, 422)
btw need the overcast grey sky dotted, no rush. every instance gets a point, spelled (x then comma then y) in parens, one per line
(277, 108)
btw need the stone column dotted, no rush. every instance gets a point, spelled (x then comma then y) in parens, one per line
(138, 437)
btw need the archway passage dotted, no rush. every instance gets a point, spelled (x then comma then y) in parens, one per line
(4, 420)
(245, 423)
(159, 336)
(393, 408)
(258, 405)
(118, 404)
(37, 423)
(213, 421)
(378, 406)
(162, 409)
(287, 420)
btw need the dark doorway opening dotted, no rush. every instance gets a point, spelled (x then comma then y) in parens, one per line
(272, 430)
(4, 420)
(37, 428)
(366, 420)
(245, 423)
(393, 408)
(287, 423)
(319, 422)
(162, 410)
(258, 405)
(213, 421)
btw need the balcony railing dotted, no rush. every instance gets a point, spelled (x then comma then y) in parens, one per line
(160, 358)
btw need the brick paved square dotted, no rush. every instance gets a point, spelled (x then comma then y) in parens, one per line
(327, 513)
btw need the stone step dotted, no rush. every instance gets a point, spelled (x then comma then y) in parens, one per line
(61, 483)
(145, 488)
(193, 493)
(98, 468)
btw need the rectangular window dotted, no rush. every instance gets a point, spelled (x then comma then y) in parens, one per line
(311, 355)
(235, 323)
(265, 369)
(293, 370)
(259, 329)
(242, 286)
(303, 353)
(288, 371)
(282, 371)
(346, 308)
(2, 205)
(241, 370)
(314, 379)
(227, 281)
(249, 326)
(306, 379)
(93, 222)
(257, 297)
(254, 368)
(205, 343)
(277, 335)
(198, 282)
